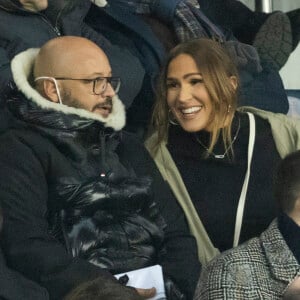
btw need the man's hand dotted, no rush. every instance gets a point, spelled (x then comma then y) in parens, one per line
(146, 293)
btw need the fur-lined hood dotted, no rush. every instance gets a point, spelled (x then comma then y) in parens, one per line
(22, 65)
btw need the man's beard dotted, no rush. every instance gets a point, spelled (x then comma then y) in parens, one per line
(69, 100)
(107, 103)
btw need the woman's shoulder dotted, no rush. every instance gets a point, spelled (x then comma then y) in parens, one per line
(273, 118)
(285, 129)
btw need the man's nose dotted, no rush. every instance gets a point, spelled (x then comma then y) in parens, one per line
(109, 91)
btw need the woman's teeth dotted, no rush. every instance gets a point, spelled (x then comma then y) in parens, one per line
(191, 110)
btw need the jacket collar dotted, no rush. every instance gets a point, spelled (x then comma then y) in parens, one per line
(22, 65)
(282, 262)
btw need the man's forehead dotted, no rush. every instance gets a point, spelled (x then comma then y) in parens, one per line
(76, 54)
(86, 66)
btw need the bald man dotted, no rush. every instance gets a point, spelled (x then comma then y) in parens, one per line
(81, 198)
(81, 83)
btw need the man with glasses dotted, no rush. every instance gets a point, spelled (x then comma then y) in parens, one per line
(99, 87)
(81, 198)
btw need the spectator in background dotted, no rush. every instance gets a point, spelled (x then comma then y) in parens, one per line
(266, 267)
(215, 156)
(99, 289)
(83, 199)
(274, 34)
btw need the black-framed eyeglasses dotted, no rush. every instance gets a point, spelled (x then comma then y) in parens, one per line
(99, 83)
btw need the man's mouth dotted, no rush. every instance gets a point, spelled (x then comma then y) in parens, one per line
(104, 109)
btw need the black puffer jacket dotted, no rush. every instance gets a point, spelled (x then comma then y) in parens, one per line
(113, 225)
(97, 206)
(74, 190)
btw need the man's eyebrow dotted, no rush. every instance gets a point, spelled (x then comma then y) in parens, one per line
(95, 75)
(100, 74)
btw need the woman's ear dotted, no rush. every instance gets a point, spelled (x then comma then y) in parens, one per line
(234, 81)
(50, 90)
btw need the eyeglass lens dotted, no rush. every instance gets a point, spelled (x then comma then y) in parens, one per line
(100, 84)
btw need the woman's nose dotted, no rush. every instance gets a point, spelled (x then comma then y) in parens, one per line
(184, 93)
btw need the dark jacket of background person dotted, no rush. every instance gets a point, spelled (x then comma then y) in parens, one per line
(13, 286)
(130, 31)
(21, 29)
(74, 190)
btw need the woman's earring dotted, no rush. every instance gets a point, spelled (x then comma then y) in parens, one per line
(228, 108)
(171, 118)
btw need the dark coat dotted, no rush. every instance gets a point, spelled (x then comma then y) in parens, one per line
(77, 197)
(130, 31)
(13, 286)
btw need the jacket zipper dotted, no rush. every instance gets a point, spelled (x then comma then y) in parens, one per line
(57, 31)
(55, 28)
(102, 149)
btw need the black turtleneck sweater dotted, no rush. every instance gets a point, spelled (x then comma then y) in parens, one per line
(215, 184)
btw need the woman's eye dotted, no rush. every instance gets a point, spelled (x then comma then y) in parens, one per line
(196, 81)
(172, 85)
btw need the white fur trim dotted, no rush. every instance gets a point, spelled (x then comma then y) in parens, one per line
(22, 65)
(100, 3)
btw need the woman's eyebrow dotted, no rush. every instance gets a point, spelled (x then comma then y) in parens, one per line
(191, 74)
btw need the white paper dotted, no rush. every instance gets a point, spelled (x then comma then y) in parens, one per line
(147, 278)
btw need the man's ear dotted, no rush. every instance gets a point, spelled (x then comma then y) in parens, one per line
(50, 90)
(295, 213)
(233, 81)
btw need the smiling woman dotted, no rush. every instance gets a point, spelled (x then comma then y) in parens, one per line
(199, 85)
(217, 159)
(185, 81)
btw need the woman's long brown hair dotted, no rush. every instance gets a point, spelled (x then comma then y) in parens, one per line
(217, 69)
